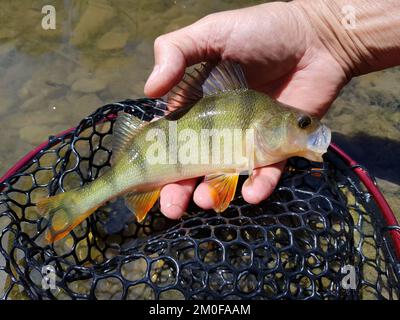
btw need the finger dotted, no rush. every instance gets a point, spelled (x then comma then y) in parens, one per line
(263, 182)
(175, 197)
(203, 196)
(175, 51)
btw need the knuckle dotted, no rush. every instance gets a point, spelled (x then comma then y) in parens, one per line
(160, 41)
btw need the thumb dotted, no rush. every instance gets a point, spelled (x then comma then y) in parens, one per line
(174, 52)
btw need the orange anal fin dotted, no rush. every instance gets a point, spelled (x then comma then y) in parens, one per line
(141, 202)
(223, 188)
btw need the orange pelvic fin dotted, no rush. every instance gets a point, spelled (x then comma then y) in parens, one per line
(223, 189)
(141, 202)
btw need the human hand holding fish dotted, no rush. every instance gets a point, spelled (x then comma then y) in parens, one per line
(279, 56)
(299, 52)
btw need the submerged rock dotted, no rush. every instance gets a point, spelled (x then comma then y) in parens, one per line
(86, 104)
(87, 85)
(35, 133)
(92, 21)
(77, 74)
(32, 103)
(5, 104)
(113, 40)
(19, 120)
(91, 100)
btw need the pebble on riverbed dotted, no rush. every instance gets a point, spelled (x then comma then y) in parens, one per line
(87, 85)
(113, 40)
(92, 21)
(5, 104)
(16, 121)
(35, 133)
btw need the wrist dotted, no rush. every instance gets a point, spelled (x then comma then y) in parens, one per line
(362, 36)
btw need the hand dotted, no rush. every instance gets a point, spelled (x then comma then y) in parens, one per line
(281, 55)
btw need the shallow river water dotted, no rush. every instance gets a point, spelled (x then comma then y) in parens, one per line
(102, 51)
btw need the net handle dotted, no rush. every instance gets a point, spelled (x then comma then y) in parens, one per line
(373, 189)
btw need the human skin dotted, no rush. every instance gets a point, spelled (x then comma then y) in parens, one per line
(298, 52)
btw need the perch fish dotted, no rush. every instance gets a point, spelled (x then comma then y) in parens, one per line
(219, 129)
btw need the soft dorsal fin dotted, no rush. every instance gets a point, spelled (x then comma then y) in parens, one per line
(225, 76)
(125, 128)
(206, 80)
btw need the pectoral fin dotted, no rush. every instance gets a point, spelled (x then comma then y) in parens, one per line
(141, 203)
(223, 189)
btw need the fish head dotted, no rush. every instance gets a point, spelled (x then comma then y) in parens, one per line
(307, 136)
(291, 133)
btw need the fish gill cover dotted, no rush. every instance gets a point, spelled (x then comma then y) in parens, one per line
(298, 244)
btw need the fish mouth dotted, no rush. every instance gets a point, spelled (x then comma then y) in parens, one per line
(318, 142)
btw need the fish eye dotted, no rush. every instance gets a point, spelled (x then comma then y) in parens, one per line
(303, 121)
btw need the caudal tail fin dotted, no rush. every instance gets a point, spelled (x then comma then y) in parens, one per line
(63, 215)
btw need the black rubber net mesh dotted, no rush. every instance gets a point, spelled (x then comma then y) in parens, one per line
(294, 245)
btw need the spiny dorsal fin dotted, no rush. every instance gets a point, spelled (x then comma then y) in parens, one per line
(125, 128)
(189, 90)
(205, 80)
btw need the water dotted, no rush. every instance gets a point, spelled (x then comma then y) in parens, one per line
(102, 51)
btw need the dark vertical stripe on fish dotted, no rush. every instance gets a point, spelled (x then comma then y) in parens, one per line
(207, 118)
(178, 165)
(140, 160)
(247, 108)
